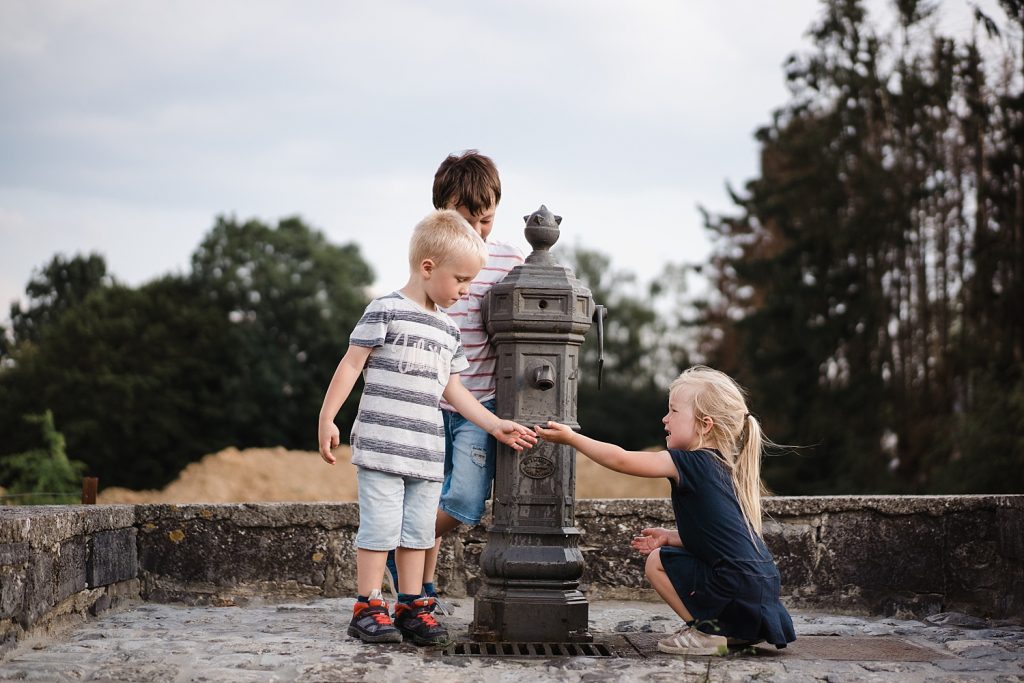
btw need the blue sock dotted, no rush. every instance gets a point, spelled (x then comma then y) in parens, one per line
(362, 598)
(428, 589)
(407, 598)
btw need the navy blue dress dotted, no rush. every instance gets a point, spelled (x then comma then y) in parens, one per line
(727, 580)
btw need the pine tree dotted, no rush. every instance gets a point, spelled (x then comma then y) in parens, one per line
(869, 291)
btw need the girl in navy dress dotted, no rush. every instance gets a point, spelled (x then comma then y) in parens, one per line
(713, 570)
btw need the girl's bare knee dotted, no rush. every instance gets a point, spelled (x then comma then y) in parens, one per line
(653, 564)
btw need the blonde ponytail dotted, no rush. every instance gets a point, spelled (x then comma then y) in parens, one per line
(747, 473)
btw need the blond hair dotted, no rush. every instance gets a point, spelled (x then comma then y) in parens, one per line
(735, 433)
(442, 237)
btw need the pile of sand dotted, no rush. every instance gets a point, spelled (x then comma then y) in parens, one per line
(276, 474)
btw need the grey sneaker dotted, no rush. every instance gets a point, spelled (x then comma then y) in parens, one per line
(690, 641)
(371, 622)
(417, 624)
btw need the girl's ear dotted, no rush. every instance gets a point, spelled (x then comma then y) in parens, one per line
(706, 423)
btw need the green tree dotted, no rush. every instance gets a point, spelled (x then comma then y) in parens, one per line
(6, 344)
(292, 297)
(59, 285)
(138, 378)
(43, 475)
(144, 381)
(868, 292)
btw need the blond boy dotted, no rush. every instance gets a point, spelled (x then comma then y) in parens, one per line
(410, 354)
(468, 183)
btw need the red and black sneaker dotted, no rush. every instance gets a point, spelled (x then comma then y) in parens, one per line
(371, 622)
(417, 624)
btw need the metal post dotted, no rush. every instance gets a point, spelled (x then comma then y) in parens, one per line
(536, 319)
(89, 486)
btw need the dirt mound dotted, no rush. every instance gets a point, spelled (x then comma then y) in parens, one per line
(255, 474)
(594, 481)
(276, 474)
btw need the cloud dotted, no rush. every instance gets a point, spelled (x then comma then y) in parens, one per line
(138, 242)
(128, 126)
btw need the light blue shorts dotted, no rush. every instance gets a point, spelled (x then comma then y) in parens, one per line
(469, 454)
(396, 511)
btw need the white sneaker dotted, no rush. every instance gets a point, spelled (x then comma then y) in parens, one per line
(443, 606)
(690, 641)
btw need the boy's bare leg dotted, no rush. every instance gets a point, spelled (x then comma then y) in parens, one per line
(430, 561)
(369, 570)
(663, 585)
(410, 569)
(442, 526)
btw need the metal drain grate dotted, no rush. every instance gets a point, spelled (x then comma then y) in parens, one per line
(528, 650)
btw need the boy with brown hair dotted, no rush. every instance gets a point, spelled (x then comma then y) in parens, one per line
(469, 184)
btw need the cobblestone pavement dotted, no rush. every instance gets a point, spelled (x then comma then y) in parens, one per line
(307, 642)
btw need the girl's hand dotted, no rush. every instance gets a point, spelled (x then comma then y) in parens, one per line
(650, 540)
(329, 438)
(555, 432)
(514, 434)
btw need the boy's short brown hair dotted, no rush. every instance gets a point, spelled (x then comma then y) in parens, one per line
(442, 236)
(469, 179)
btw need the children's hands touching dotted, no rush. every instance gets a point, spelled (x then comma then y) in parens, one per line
(514, 434)
(650, 540)
(554, 432)
(329, 437)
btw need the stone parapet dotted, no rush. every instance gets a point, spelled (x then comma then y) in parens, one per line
(223, 553)
(890, 555)
(911, 555)
(60, 563)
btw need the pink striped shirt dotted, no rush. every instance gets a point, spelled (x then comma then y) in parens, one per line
(479, 376)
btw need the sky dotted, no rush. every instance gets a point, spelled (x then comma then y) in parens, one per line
(126, 127)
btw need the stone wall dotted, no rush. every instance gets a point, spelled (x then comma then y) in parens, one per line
(59, 564)
(878, 555)
(229, 553)
(915, 555)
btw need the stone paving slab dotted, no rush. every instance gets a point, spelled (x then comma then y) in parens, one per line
(306, 641)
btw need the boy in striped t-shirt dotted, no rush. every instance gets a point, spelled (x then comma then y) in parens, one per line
(410, 354)
(469, 184)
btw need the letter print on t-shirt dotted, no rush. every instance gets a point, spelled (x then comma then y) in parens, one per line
(414, 351)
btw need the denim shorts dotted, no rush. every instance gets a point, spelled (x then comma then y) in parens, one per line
(468, 467)
(395, 511)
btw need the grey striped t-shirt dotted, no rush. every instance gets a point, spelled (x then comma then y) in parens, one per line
(399, 427)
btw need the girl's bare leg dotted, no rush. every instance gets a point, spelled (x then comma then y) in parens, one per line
(659, 579)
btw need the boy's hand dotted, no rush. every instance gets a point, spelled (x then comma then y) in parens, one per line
(555, 432)
(329, 437)
(650, 540)
(514, 434)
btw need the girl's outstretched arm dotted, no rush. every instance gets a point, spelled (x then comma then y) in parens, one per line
(638, 463)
